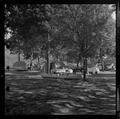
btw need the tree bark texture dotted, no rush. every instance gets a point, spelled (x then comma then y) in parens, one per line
(19, 57)
(47, 55)
(85, 68)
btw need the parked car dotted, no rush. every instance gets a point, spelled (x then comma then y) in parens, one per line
(62, 71)
(93, 70)
(111, 67)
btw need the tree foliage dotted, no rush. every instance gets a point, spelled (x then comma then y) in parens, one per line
(79, 30)
(25, 21)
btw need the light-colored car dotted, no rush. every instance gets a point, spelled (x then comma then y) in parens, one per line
(99, 65)
(112, 66)
(93, 70)
(67, 70)
(63, 71)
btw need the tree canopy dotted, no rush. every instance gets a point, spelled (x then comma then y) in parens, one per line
(79, 30)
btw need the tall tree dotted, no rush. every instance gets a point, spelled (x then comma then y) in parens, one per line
(84, 24)
(27, 29)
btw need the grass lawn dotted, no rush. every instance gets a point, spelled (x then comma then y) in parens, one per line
(35, 95)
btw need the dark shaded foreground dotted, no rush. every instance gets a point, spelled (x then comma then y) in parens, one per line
(31, 95)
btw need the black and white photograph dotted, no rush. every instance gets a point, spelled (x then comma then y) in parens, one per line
(60, 59)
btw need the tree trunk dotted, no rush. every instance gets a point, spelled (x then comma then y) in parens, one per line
(38, 59)
(103, 65)
(77, 64)
(102, 62)
(85, 68)
(79, 58)
(31, 62)
(47, 55)
(19, 57)
(101, 59)
(47, 63)
(31, 65)
(19, 53)
(86, 65)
